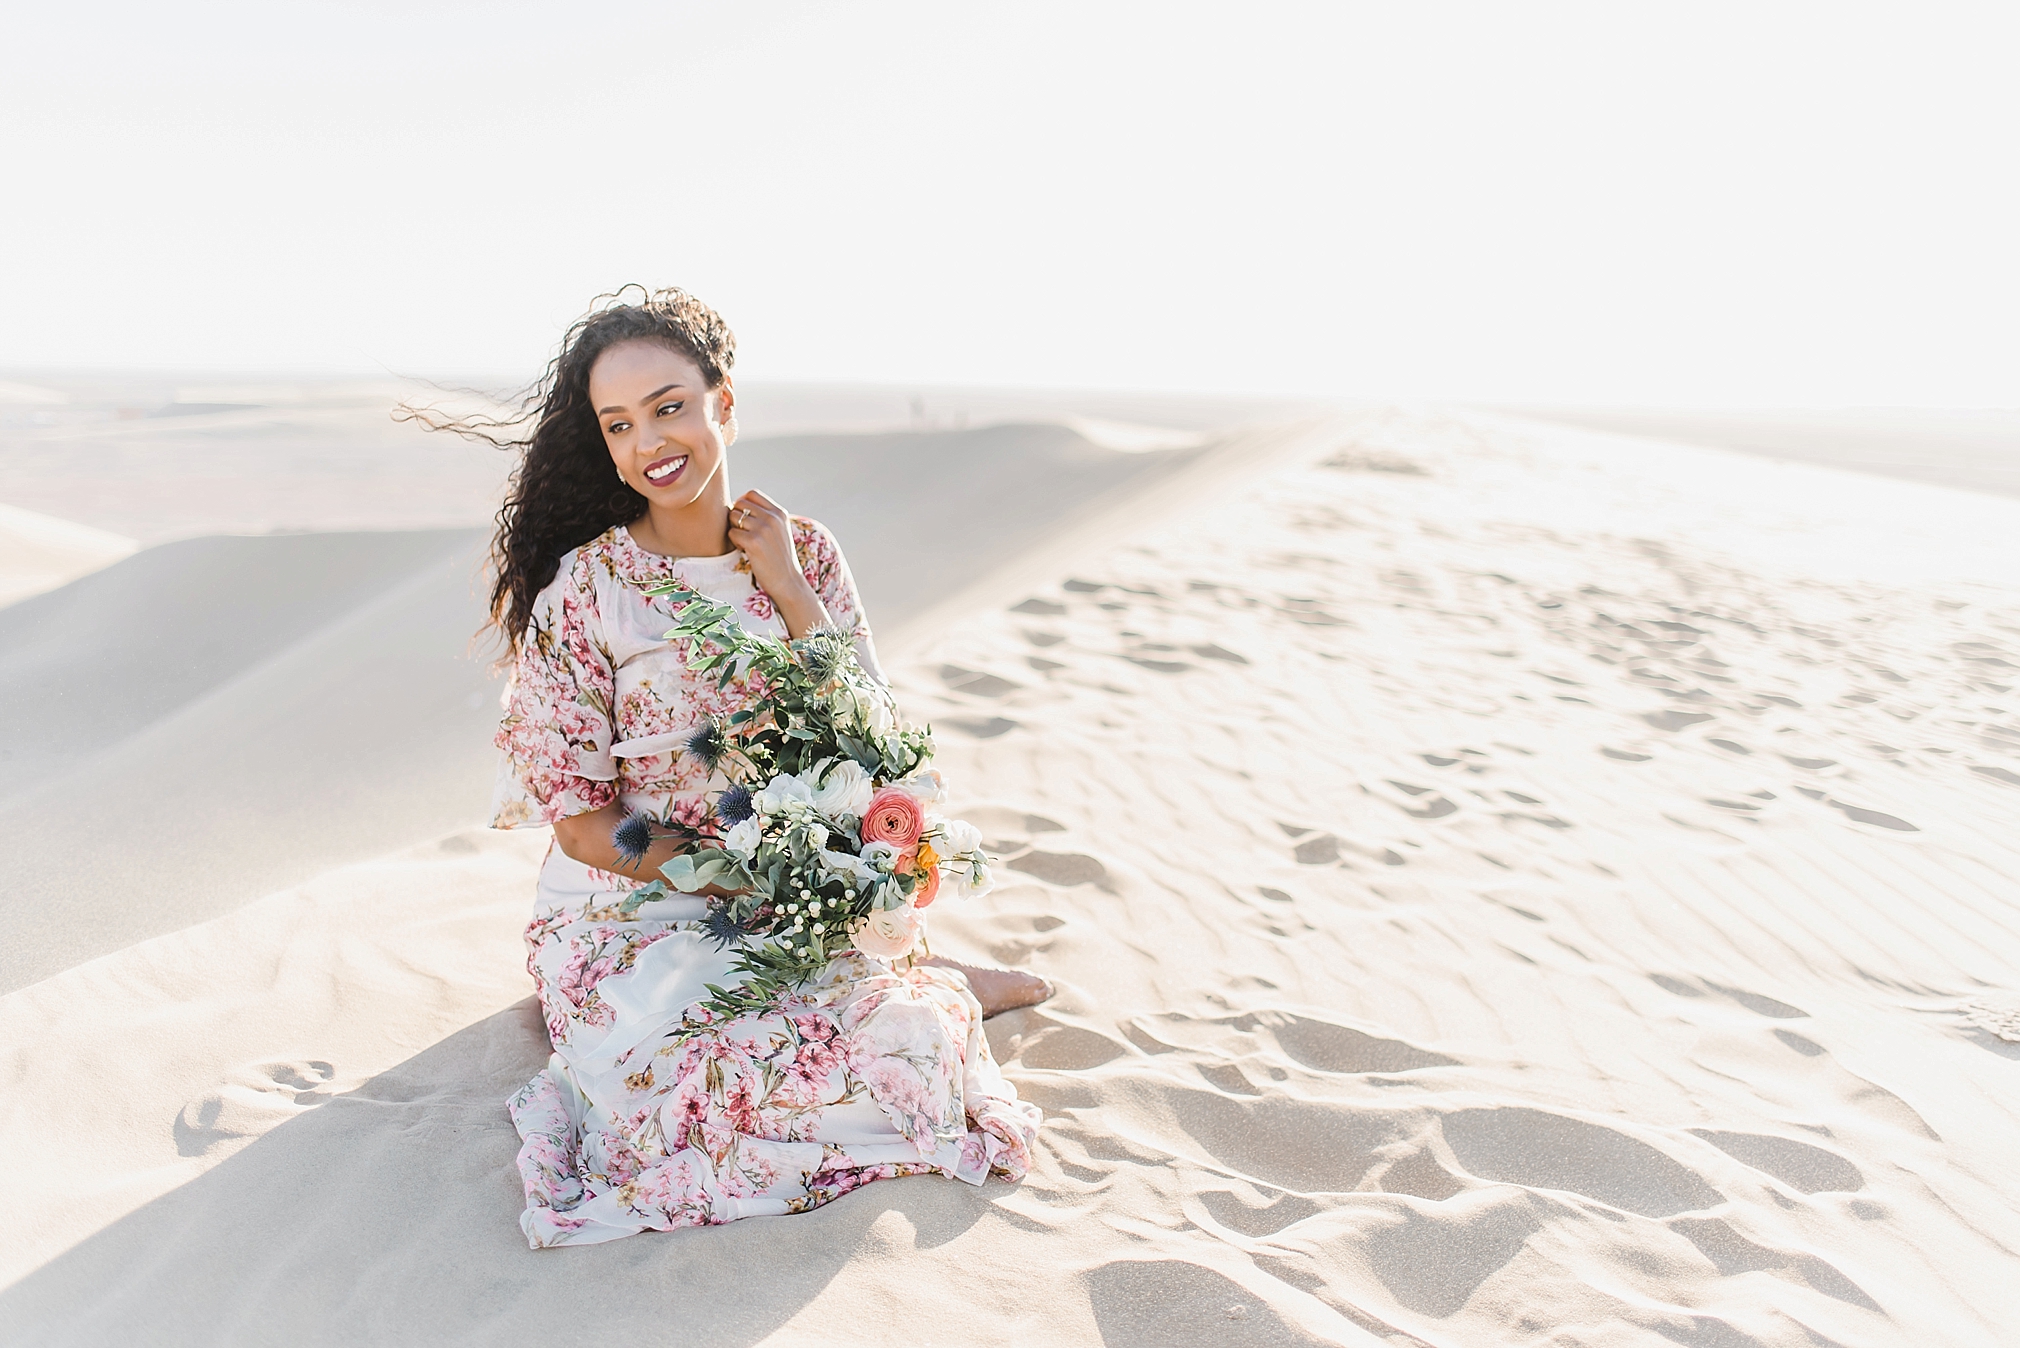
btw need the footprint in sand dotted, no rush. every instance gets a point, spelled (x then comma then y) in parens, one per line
(1733, 1254)
(251, 1100)
(1319, 850)
(1067, 1048)
(1752, 1001)
(1321, 1045)
(1060, 868)
(1176, 1304)
(1433, 1262)
(1805, 1168)
(982, 728)
(1877, 818)
(1012, 937)
(1264, 1217)
(1540, 1150)
(975, 682)
(1269, 1138)
(1009, 831)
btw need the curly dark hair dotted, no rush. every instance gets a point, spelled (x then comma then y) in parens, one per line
(565, 491)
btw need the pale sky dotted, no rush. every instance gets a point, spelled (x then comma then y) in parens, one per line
(1729, 204)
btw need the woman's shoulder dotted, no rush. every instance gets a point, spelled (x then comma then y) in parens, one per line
(580, 570)
(814, 539)
(822, 563)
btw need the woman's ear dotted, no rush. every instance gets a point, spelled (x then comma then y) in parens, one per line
(725, 410)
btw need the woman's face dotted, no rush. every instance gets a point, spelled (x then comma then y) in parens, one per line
(666, 429)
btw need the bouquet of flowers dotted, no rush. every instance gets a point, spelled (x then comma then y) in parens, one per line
(822, 838)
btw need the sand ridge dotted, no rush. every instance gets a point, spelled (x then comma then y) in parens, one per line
(1503, 889)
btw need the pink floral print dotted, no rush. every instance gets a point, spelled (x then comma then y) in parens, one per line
(598, 699)
(653, 1113)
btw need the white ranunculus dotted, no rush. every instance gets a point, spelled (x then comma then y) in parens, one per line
(926, 786)
(771, 798)
(845, 791)
(743, 839)
(956, 836)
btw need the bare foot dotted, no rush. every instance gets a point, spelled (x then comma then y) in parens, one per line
(999, 989)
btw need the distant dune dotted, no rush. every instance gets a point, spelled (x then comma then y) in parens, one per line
(1975, 450)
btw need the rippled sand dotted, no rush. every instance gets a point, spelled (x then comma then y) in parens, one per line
(1506, 896)
(1504, 887)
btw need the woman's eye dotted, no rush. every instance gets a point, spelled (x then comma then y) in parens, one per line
(619, 427)
(668, 409)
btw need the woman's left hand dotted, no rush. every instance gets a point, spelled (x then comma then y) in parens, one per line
(762, 530)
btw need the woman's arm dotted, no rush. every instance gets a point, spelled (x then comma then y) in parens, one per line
(587, 838)
(762, 530)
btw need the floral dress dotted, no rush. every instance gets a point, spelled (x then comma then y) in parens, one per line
(652, 1112)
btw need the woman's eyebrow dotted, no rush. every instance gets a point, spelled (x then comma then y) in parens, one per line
(667, 388)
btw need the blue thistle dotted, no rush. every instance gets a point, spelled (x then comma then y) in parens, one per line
(633, 838)
(722, 927)
(734, 806)
(821, 653)
(708, 742)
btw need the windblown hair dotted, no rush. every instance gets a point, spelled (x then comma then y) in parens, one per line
(565, 490)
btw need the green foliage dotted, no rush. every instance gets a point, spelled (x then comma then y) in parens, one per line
(813, 704)
(817, 703)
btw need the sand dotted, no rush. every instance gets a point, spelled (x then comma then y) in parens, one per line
(1504, 886)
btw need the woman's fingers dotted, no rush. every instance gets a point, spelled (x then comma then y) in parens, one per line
(757, 500)
(754, 510)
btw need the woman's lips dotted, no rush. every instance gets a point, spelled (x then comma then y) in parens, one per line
(662, 471)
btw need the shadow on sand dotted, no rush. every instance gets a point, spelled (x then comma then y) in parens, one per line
(391, 1215)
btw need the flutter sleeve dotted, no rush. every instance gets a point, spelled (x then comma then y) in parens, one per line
(556, 733)
(825, 568)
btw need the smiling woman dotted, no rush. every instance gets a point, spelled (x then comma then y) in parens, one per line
(655, 1112)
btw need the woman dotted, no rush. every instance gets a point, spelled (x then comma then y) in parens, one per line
(645, 1117)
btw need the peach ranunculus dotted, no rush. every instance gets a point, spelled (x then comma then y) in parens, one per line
(924, 864)
(888, 933)
(895, 817)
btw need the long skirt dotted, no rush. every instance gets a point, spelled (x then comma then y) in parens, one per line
(653, 1113)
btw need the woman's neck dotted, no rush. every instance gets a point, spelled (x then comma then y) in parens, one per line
(698, 529)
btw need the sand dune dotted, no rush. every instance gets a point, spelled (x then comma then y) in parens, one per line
(271, 706)
(1504, 887)
(1976, 448)
(157, 458)
(42, 552)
